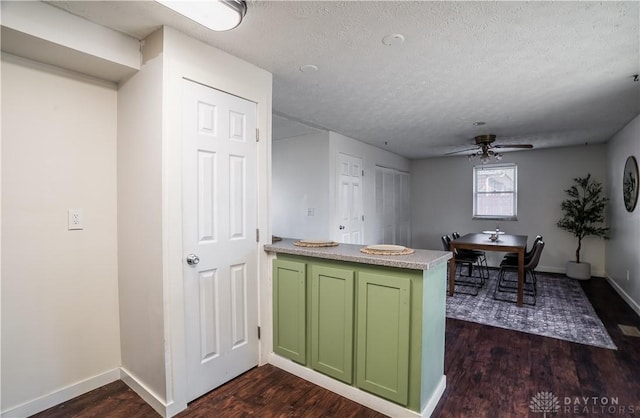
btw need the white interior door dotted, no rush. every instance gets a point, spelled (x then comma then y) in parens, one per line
(350, 210)
(403, 232)
(388, 207)
(219, 227)
(393, 206)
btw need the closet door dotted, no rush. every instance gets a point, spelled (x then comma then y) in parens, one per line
(388, 207)
(393, 214)
(403, 209)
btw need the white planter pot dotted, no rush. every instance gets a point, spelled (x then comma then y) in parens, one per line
(580, 271)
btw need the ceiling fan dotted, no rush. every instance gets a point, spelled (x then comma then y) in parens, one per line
(485, 149)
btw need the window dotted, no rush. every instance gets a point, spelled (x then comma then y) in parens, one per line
(495, 191)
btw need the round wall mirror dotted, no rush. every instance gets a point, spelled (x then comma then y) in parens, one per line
(630, 184)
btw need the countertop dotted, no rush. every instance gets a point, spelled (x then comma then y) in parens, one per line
(419, 260)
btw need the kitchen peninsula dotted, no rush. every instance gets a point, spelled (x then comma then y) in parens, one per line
(368, 327)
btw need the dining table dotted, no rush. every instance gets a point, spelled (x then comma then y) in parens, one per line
(481, 241)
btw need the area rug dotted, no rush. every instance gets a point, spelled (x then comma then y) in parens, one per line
(562, 310)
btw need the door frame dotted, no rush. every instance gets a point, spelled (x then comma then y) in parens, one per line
(187, 59)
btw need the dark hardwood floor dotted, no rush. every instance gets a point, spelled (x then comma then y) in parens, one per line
(491, 372)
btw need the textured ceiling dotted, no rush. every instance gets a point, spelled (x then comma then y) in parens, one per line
(546, 73)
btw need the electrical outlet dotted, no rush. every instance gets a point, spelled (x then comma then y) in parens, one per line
(75, 219)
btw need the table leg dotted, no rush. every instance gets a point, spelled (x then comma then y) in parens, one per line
(520, 276)
(452, 275)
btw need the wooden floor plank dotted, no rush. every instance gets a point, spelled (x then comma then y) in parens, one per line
(491, 372)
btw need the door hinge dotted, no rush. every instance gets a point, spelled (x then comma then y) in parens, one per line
(258, 332)
(362, 173)
(257, 235)
(257, 135)
(363, 217)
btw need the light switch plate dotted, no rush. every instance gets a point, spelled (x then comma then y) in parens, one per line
(75, 220)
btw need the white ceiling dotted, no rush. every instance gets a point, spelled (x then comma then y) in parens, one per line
(546, 73)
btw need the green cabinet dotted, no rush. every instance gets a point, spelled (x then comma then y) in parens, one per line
(362, 324)
(331, 337)
(383, 335)
(289, 310)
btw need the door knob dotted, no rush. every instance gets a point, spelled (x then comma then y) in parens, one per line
(342, 226)
(192, 259)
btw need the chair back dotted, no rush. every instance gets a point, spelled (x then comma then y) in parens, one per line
(455, 235)
(532, 263)
(538, 238)
(446, 239)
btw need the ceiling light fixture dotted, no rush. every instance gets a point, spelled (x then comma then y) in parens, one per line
(218, 15)
(486, 156)
(486, 150)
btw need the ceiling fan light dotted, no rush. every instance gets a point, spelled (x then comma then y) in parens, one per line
(217, 15)
(498, 157)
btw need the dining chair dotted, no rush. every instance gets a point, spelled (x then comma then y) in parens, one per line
(479, 254)
(527, 254)
(510, 285)
(464, 260)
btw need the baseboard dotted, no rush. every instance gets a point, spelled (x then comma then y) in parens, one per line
(549, 269)
(624, 295)
(62, 395)
(145, 393)
(435, 397)
(350, 392)
(562, 270)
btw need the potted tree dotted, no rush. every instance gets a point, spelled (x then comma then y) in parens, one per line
(583, 215)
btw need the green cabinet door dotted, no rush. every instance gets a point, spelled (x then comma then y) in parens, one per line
(289, 310)
(383, 335)
(331, 336)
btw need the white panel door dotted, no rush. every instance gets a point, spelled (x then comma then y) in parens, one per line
(393, 215)
(379, 225)
(388, 207)
(403, 233)
(349, 199)
(219, 227)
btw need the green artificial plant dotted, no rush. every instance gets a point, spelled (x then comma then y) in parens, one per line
(583, 211)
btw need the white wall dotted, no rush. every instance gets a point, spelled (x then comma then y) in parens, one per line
(60, 333)
(623, 247)
(304, 177)
(442, 188)
(301, 182)
(372, 157)
(140, 265)
(44, 33)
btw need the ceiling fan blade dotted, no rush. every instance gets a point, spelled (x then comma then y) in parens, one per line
(527, 146)
(462, 150)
